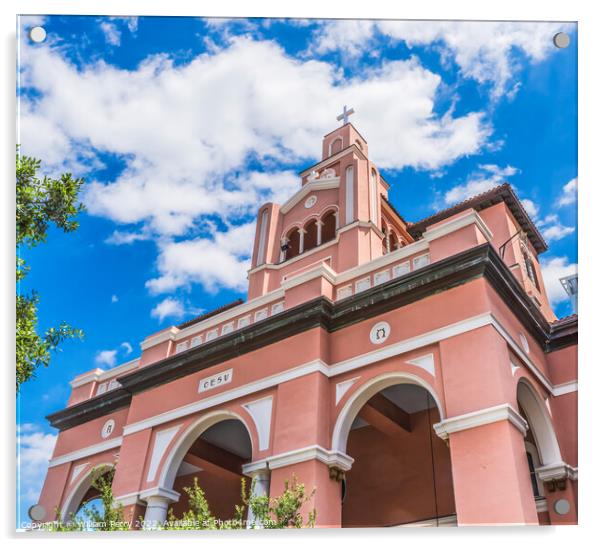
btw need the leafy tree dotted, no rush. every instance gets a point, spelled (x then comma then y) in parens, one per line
(40, 203)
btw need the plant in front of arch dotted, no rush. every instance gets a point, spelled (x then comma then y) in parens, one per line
(283, 511)
(110, 518)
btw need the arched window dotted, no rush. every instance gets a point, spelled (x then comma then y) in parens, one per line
(531, 269)
(336, 146)
(385, 239)
(291, 249)
(393, 243)
(329, 226)
(311, 235)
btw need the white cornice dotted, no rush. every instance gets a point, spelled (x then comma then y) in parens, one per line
(332, 458)
(159, 491)
(319, 270)
(481, 417)
(563, 389)
(100, 375)
(163, 336)
(332, 159)
(555, 471)
(290, 261)
(470, 217)
(385, 260)
(311, 186)
(85, 452)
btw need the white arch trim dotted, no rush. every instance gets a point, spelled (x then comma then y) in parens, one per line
(370, 388)
(539, 422)
(71, 504)
(186, 440)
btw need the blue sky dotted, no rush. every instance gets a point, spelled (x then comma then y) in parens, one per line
(182, 127)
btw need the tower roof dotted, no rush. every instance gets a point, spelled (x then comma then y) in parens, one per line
(498, 194)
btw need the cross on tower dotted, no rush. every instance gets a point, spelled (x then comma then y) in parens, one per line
(345, 115)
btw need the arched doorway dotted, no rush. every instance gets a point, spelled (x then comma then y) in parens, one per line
(401, 473)
(213, 454)
(541, 445)
(84, 494)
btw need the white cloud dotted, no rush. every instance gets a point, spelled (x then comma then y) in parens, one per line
(221, 261)
(169, 307)
(107, 357)
(111, 32)
(484, 51)
(553, 269)
(34, 449)
(188, 132)
(487, 177)
(531, 207)
(569, 194)
(114, 298)
(126, 347)
(551, 227)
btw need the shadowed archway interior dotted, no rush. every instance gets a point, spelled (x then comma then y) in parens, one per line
(402, 470)
(215, 459)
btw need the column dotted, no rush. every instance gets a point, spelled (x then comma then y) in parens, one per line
(260, 486)
(157, 504)
(301, 240)
(319, 224)
(388, 242)
(283, 242)
(489, 467)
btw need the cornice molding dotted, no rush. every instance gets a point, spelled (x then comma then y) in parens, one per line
(308, 188)
(557, 471)
(481, 261)
(100, 375)
(332, 458)
(481, 417)
(85, 452)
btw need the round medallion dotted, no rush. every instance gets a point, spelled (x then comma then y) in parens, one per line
(380, 332)
(310, 202)
(107, 429)
(562, 506)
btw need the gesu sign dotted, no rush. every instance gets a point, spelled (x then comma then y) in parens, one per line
(216, 380)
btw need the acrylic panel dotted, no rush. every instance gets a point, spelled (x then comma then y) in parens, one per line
(333, 261)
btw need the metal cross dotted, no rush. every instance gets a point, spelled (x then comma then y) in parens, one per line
(344, 117)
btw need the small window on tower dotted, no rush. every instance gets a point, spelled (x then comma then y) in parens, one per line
(530, 267)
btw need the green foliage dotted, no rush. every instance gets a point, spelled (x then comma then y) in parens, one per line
(108, 518)
(283, 511)
(40, 202)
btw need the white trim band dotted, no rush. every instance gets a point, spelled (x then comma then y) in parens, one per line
(332, 458)
(85, 452)
(481, 417)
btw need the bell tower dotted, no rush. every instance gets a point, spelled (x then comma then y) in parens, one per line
(340, 216)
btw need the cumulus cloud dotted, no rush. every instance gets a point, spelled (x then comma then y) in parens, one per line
(114, 299)
(220, 261)
(169, 307)
(569, 194)
(484, 51)
(126, 347)
(106, 357)
(111, 32)
(553, 269)
(34, 449)
(109, 357)
(552, 228)
(485, 178)
(188, 133)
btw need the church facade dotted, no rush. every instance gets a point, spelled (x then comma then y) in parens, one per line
(412, 373)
